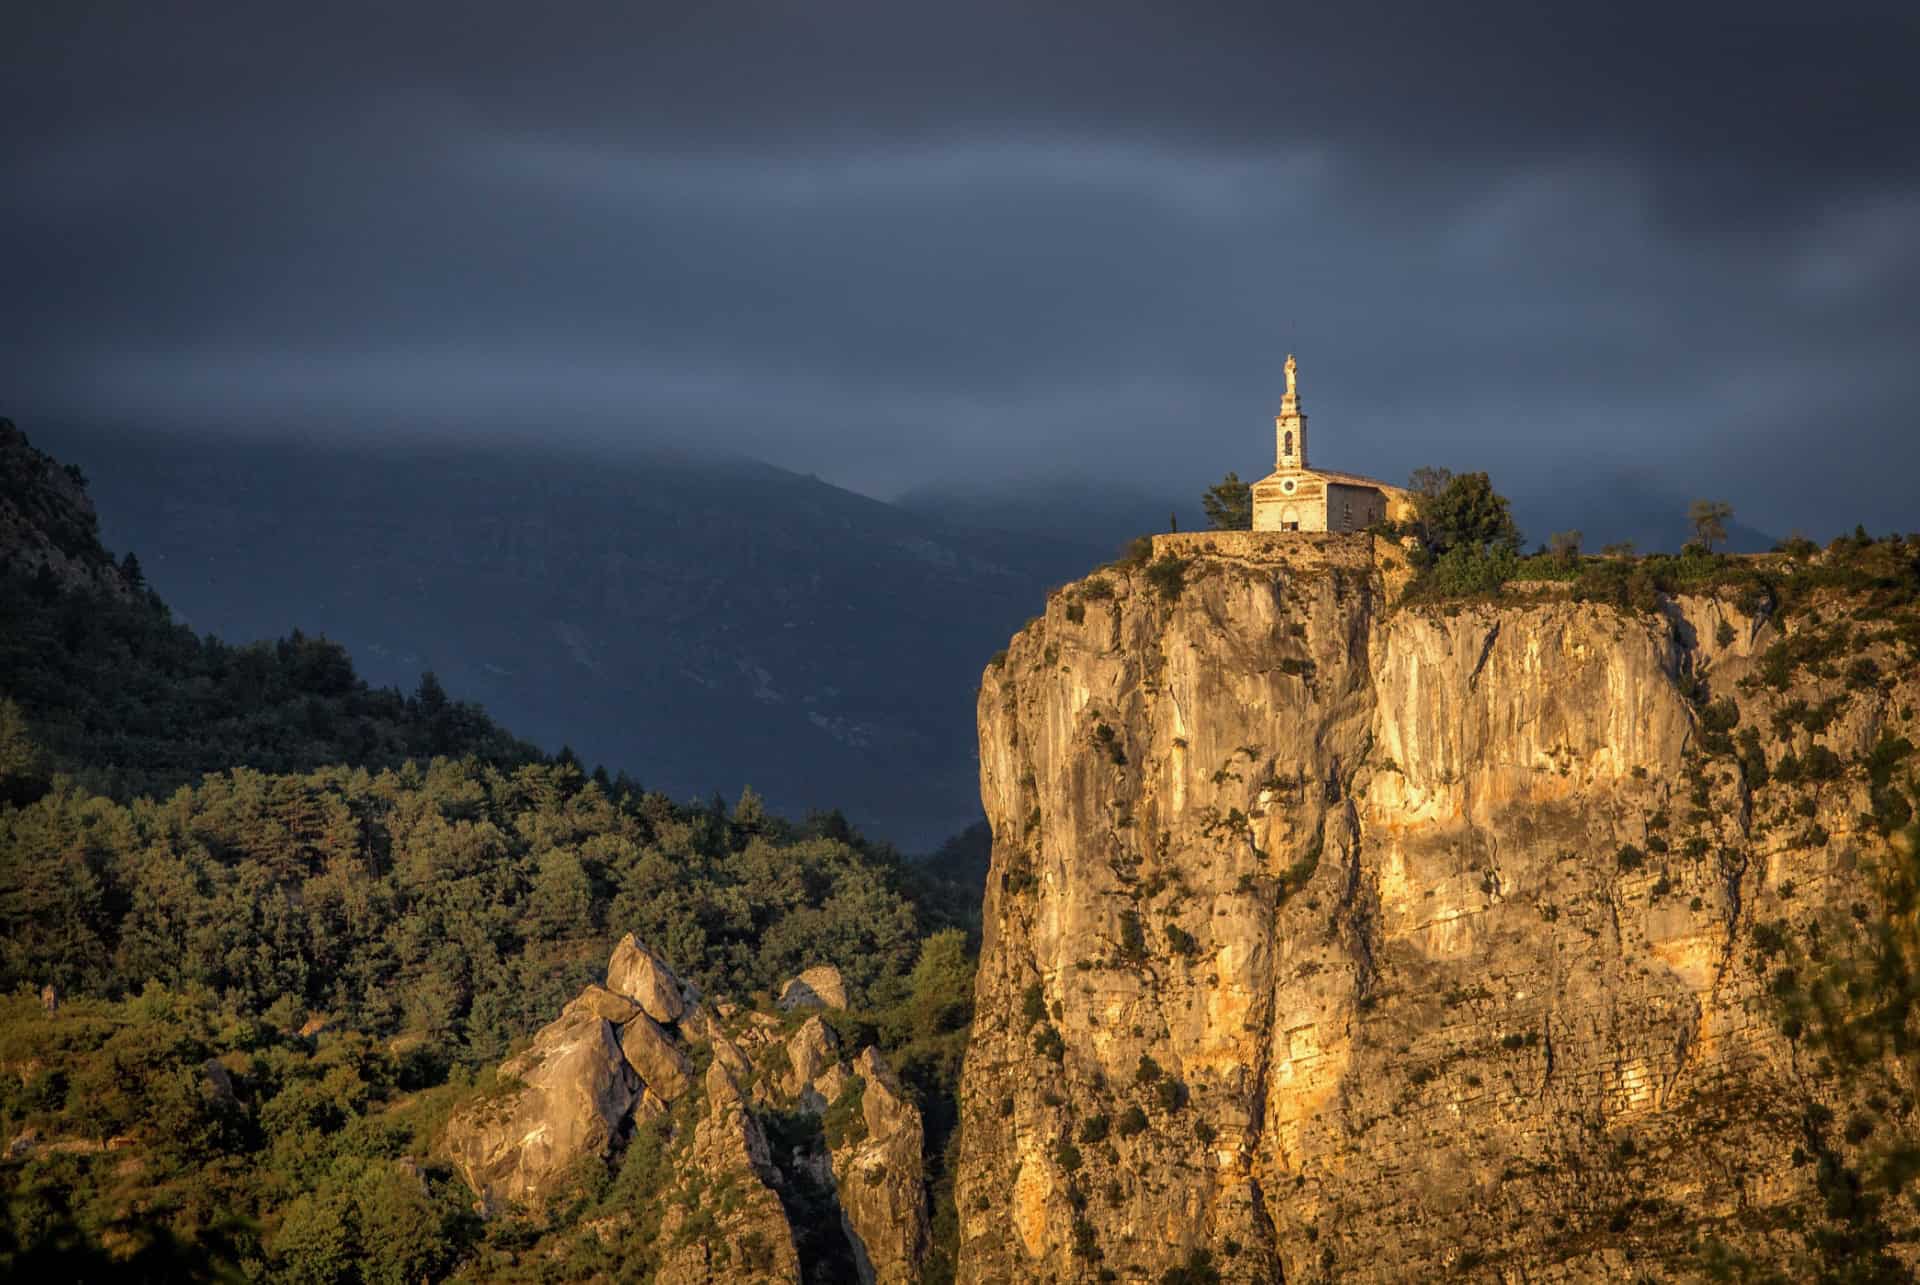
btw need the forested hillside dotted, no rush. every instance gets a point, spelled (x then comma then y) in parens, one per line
(98, 680)
(263, 927)
(352, 949)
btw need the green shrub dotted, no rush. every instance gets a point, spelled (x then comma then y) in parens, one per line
(1465, 571)
(1863, 674)
(1197, 1270)
(1753, 760)
(1148, 1071)
(1132, 1121)
(1093, 1129)
(1887, 753)
(1821, 764)
(1168, 575)
(1630, 858)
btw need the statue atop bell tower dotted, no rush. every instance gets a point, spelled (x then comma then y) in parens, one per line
(1290, 426)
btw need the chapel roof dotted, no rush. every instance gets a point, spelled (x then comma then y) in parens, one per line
(1345, 479)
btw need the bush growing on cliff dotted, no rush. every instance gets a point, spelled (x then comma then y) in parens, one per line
(1197, 1270)
(1468, 570)
(1168, 575)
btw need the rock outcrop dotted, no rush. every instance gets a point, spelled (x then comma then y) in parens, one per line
(879, 1178)
(750, 1238)
(642, 976)
(818, 987)
(1331, 940)
(851, 1186)
(654, 1057)
(562, 1100)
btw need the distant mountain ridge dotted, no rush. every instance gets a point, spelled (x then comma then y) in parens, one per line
(100, 682)
(701, 623)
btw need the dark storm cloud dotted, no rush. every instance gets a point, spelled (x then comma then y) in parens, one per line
(895, 243)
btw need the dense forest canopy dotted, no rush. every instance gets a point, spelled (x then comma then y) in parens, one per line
(420, 921)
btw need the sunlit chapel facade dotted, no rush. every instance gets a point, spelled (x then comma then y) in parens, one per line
(1295, 497)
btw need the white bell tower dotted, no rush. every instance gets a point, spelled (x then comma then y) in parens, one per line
(1290, 425)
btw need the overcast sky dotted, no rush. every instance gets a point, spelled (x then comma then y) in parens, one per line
(899, 243)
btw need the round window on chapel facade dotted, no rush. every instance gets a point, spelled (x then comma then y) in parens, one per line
(1287, 486)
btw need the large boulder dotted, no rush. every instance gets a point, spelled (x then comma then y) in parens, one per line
(603, 1003)
(810, 1050)
(638, 973)
(662, 1067)
(880, 1179)
(819, 987)
(560, 1101)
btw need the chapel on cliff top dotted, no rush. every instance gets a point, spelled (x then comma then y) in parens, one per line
(1295, 497)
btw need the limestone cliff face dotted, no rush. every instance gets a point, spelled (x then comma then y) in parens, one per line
(1328, 940)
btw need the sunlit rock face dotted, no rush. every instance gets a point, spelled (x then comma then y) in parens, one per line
(564, 1100)
(645, 1051)
(1334, 940)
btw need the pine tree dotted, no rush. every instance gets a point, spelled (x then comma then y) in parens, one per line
(1229, 505)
